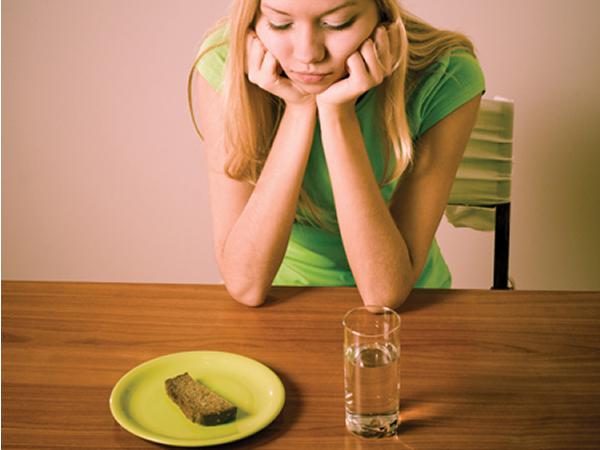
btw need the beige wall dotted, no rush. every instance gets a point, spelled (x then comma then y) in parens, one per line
(103, 178)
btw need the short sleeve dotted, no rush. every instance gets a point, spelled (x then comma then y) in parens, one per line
(212, 65)
(450, 83)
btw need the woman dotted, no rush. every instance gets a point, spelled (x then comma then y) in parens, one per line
(333, 131)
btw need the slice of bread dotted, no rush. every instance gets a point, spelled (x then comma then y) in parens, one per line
(198, 403)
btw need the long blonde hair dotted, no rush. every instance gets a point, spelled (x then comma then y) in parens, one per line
(253, 114)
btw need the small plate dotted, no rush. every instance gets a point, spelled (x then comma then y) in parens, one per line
(139, 402)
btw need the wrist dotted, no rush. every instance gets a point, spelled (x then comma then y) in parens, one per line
(339, 111)
(301, 109)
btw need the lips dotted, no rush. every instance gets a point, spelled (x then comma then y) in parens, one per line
(309, 77)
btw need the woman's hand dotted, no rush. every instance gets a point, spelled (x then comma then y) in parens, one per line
(367, 67)
(264, 71)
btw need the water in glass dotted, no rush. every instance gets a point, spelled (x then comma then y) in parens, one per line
(372, 383)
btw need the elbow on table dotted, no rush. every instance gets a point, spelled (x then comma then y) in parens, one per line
(390, 302)
(246, 295)
(392, 298)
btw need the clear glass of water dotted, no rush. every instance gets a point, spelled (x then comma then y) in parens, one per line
(372, 371)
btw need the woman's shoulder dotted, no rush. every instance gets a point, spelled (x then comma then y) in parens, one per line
(455, 68)
(449, 82)
(212, 56)
(460, 66)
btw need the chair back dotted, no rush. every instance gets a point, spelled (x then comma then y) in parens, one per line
(480, 196)
(483, 179)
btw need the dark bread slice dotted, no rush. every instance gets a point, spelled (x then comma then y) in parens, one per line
(198, 403)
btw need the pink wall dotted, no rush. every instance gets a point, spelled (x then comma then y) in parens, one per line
(103, 178)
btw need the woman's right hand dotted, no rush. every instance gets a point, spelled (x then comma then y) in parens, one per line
(264, 71)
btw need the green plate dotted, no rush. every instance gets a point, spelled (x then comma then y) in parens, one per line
(139, 402)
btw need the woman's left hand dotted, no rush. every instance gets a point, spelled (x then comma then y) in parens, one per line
(367, 68)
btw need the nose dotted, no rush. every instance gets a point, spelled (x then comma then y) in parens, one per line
(309, 47)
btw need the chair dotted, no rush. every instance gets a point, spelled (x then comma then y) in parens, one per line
(480, 196)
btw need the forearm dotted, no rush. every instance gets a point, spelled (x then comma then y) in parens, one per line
(256, 244)
(377, 252)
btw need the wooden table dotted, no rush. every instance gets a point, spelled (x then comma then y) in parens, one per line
(480, 369)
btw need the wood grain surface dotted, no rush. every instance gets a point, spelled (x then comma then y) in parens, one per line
(479, 369)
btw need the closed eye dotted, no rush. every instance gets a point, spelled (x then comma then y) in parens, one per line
(341, 26)
(279, 27)
(327, 26)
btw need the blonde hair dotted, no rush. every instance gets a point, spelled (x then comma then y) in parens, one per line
(253, 114)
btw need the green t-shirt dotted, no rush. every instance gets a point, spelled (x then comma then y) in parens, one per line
(316, 257)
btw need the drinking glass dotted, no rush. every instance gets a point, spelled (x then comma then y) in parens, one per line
(371, 371)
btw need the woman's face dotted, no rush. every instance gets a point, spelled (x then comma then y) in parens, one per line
(312, 39)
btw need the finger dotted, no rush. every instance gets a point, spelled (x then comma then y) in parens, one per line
(356, 64)
(382, 46)
(357, 71)
(394, 39)
(272, 81)
(256, 54)
(248, 51)
(374, 67)
(268, 68)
